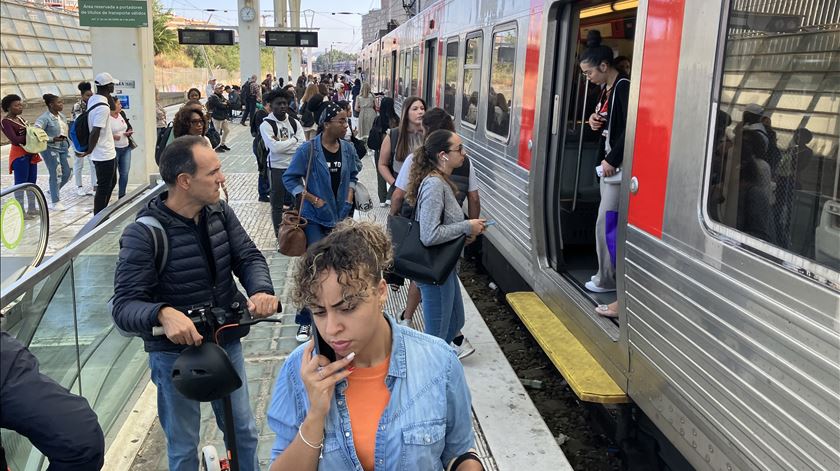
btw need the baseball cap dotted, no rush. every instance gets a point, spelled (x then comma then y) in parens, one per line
(755, 109)
(105, 78)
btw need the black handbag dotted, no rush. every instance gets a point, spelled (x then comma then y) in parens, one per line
(413, 260)
(214, 136)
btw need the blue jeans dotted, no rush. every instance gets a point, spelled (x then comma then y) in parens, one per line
(443, 308)
(180, 417)
(54, 157)
(123, 167)
(25, 172)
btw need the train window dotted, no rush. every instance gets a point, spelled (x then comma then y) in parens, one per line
(502, 63)
(415, 71)
(472, 78)
(401, 90)
(386, 77)
(450, 77)
(773, 173)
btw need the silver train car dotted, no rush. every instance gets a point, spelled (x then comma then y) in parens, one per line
(728, 245)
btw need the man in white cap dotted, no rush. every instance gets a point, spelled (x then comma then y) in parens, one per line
(101, 148)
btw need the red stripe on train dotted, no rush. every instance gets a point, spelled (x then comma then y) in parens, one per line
(655, 115)
(529, 87)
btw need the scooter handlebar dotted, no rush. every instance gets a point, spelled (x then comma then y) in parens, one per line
(158, 330)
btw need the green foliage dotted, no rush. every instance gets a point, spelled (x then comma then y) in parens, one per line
(325, 61)
(165, 40)
(220, 57)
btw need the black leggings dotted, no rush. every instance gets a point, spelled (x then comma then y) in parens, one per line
(106, 180)
(279, 197)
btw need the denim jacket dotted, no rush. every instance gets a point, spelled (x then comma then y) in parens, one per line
(50, 124)
(425, 425)
(319, 183)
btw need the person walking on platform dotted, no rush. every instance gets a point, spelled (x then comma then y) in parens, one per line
(327, 195)
(441, 219)
(466, 188)
(101, 148)
(60, 424)
(609, 118)
(219, 109)
(86, 91)
(386, 120)
(402, 140)
(263, 178)
(364, 106)
(22, 164)
(281, 135)
(330, 397)
(57, 153)
(251, 92)
(207, 247)
(123, 143)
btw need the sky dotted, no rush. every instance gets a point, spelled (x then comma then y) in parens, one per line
(343, 30)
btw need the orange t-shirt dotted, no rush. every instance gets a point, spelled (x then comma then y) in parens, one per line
(367, 396)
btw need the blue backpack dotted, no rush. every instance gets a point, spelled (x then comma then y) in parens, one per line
(80, 131)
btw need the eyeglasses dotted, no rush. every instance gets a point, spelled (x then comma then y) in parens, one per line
(460, 149)
(194, 122)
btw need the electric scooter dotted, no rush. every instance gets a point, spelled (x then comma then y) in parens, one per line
(215, 320)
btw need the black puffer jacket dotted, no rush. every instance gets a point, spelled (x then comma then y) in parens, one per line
(186, 281)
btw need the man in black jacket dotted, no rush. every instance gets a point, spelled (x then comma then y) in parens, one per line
(219, 112)
(60, 424)
(207, 246)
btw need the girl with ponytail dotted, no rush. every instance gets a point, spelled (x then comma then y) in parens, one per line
(441, 220)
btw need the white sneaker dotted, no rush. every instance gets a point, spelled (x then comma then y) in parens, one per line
(464, 350)
(591, 286)
(58, 206)
(383, 205)
(80, 191)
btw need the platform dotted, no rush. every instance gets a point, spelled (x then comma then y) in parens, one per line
(510, 433)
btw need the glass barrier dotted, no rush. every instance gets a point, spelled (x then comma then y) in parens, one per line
(66, 322)
(24, 229)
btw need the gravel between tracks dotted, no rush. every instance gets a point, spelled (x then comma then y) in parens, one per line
(563, 413)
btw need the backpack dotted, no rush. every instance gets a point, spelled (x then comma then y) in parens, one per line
(36, 140)
(162, 141)
(374, 140)
(80, 130)
(160, 244)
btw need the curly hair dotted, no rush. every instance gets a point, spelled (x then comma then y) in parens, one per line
(357, 251)
(181, 121)
(426, 162)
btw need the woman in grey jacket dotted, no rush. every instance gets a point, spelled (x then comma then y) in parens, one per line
(441, 219)
(54, 124)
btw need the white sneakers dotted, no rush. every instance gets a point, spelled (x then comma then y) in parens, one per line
(403, 321)
(464, 350)
(57, 206)
(591, 286)
(82, 192)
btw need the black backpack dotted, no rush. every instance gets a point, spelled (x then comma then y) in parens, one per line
(162, 140)
(79, 130)
(262, 150)
(375, 136)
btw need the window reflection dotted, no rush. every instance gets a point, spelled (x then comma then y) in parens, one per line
(502, 62)
(472, 77)
(774, 172)
(450, 77)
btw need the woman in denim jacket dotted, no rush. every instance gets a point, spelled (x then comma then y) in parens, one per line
(391, 399)
(54, 123)
(328, 195)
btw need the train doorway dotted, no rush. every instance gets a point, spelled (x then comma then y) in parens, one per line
(429, 85)
(572, 186)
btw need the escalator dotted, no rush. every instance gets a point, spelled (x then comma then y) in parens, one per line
(56, 306)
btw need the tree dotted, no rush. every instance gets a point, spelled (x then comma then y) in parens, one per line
(326, 61)
(165, 40)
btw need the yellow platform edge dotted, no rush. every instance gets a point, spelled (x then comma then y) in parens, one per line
(585, 375)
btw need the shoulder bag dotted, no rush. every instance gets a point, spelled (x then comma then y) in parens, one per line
(291, 238)
(413, 260)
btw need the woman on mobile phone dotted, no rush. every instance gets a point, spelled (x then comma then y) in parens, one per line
(388, 382)
(122, 131)
(54, 123)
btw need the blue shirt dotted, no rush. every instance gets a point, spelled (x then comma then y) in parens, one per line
(425, 425)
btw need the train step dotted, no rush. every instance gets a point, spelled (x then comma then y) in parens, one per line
(584, 374)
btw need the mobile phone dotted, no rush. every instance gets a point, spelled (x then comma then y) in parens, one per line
(321, 345)
(490, 223)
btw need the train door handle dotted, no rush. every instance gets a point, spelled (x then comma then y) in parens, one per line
(634, 185)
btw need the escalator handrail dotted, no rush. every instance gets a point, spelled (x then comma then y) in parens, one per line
(104, 215)
(122, 211)
(45, 218)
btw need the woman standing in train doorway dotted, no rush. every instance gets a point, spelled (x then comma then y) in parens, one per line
(610, 118)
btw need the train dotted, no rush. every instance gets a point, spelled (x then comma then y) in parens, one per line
(727, 263)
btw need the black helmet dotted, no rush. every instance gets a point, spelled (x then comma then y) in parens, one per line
(205, 373)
